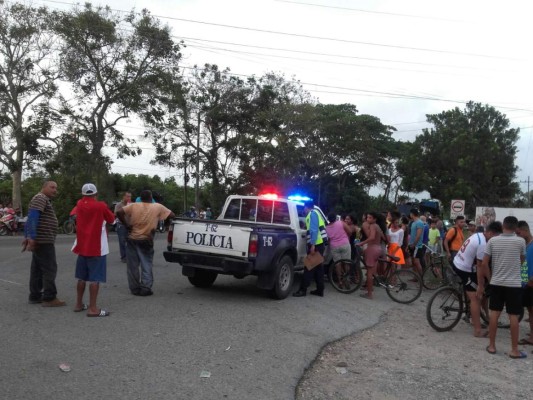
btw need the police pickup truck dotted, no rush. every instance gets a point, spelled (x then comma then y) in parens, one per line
(254, 235)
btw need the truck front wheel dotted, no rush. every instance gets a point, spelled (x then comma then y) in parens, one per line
(284, 278)
(203, 278)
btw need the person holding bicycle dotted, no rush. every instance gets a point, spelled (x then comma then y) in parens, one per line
(467, 265)
(372, 252)
(339, 243)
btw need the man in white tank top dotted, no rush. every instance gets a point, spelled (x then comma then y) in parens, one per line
(467, 263)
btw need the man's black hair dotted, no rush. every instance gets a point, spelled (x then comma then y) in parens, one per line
(146, 196)
(459, 218)
(523, 225)
(495, 226)
(510, 223)
(415, 212)
(309, 204)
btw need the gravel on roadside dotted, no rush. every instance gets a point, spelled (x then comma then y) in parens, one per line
(402, 357)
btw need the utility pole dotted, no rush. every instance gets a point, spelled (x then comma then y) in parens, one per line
(185, 180)
(197, 188)
(528, 194)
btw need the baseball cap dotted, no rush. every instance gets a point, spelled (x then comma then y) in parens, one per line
(88, 189)
(472, 223)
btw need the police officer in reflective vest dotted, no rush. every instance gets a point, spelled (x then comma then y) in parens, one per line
(316, 238)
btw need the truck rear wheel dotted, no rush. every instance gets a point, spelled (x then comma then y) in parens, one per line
(284, 278)
(203, 278)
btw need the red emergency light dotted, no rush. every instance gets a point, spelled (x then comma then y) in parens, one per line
(270, 196)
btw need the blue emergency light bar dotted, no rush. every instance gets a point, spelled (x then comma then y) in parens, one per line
(297, 197)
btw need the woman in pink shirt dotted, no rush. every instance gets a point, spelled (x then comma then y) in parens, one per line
(339, 242)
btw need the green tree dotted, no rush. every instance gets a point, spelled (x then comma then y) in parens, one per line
(315, 146)
(28, 75)
(469, 154)
(203, 131)
(116, 64)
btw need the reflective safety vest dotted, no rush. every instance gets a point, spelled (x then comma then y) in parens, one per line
(323, 235)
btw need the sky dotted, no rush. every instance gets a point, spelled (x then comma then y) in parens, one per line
(397, 60)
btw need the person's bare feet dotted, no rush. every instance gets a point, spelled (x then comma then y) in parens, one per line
(481, 334)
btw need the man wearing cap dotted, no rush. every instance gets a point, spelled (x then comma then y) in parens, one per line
(39, 238)
(141, 219)
(92, 247)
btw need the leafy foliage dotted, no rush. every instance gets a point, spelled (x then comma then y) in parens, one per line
(116, 65)
(469, 154)
(28, 73)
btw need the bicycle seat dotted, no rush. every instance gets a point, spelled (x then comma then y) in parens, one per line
(393, 258)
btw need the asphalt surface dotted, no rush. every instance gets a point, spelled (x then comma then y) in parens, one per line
(158, 347)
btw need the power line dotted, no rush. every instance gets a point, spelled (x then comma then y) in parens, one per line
(368, 11)
(304, 36)
(337, 63)
(336, 55)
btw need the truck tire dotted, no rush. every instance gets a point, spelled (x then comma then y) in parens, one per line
(284, 278)
(203, 278)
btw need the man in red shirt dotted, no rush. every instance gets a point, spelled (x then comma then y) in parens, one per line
(91, 246)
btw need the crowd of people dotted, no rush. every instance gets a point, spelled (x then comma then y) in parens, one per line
(497, 259)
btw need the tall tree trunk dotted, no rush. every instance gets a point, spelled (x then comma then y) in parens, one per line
(17, 190)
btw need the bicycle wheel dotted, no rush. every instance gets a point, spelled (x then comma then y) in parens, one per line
(345, 276)
(69, 227)
(444, 309)
(433, 277)
(404, 286)
(503, 321)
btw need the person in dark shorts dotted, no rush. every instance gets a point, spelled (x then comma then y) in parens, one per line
(466, 264)
(506, 252)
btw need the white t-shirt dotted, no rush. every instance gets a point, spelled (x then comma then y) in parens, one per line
(473, 248)
(396, 237)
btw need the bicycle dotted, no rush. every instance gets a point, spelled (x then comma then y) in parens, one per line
(449, 303)
(402, 285)
(438, 273)
(69, 226)
(345, 275)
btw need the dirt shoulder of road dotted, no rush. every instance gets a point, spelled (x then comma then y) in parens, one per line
(402, 357)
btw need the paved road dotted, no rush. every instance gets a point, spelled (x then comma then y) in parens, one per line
(156, 347)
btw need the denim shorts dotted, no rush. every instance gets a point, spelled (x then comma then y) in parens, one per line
(343, 252)
(91, 269)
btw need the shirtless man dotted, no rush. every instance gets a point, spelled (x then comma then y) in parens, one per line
(372, 252)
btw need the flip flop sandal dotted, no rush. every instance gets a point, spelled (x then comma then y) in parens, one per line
(84, 307)
(490, 351)
(522, 355)
(365, 296)
(525, 342)
(103, 313)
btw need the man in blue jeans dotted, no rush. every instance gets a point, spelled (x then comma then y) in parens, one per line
(122, 232)
(141, 220)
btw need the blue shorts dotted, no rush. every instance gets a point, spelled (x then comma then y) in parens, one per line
(91, 269)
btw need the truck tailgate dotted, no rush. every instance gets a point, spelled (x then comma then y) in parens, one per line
(211, 237)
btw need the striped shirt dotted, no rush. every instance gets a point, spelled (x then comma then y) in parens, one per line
(47, 228)
(505, 251)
